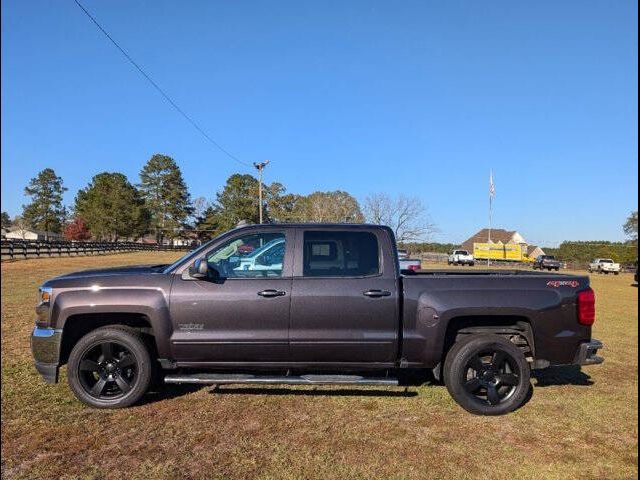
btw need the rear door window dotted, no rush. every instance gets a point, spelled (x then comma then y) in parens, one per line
(340, 254)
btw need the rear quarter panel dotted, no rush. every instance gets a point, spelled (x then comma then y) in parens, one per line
(432, 302)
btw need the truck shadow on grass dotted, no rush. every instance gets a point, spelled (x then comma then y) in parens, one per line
(168, 392)
(311, 392)
(561, 375)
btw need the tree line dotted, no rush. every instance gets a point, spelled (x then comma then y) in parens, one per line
(112, 208)
(584, 252)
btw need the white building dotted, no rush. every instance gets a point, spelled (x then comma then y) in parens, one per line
(17, 233)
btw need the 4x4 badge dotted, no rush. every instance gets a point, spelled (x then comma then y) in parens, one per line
(563, 283)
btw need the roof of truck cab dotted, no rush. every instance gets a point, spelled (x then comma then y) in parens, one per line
(314, 225)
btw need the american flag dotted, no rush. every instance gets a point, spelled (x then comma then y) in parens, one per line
(492, 187)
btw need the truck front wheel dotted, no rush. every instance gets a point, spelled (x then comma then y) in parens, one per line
(487, 375)
(110, 367)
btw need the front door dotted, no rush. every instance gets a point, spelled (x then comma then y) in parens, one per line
(344, 307)
(242, 316)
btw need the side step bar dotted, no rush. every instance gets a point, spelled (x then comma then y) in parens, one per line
(219, 379)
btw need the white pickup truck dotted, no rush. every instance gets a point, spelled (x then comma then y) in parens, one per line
(604, 265)
(461, 257)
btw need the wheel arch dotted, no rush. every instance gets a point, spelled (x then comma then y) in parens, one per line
(507, 325)
(77, 312)
(515, 327)
(78, 325)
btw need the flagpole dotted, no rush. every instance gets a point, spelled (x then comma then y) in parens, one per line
(491, 193)
(490, 225)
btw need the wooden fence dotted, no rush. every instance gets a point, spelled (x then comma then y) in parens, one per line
(23, 249)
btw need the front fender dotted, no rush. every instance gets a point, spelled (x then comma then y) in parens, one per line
(148, 301)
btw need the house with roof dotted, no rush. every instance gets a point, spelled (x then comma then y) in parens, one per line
(533, 251)
(498, 236)
(18, 233)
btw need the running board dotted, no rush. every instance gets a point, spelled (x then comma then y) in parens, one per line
(219, 379)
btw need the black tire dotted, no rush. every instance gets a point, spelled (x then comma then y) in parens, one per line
(498, 386)
(616, 273)
(110, 367)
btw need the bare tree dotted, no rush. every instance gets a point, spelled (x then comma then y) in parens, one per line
(406, 216)
(21, 226)
(200, 205)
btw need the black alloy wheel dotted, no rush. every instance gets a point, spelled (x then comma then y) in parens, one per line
(487, 374)
(491, 376)
(110, 367)
(107, 370)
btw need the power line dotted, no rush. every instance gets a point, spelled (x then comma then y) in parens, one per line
(162, 92)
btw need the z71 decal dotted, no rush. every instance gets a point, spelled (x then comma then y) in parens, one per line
(563, 283)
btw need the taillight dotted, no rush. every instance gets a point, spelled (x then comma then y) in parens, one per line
(414, 267)
(586, 307)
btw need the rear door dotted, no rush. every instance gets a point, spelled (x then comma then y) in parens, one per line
(344, 303)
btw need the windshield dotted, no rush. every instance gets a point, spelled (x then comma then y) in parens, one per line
(606, 260)
(548, 257)
(461, 252)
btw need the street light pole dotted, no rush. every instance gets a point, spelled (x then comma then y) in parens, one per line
(260, 166)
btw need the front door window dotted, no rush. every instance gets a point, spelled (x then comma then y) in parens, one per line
(257, 255)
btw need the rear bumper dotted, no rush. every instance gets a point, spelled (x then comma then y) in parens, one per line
(45, 347)
(587, 353)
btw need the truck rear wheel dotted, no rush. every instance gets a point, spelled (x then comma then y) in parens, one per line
(487, 375)
(110, 367)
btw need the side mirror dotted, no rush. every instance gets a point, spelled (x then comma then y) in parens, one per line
(199, 269)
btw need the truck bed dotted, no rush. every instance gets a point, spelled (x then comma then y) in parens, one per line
(436, 301)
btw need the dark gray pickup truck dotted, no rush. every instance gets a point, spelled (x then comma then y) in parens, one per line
(309, 304)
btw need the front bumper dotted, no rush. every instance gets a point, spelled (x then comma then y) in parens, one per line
(587, 353)
(45, 347)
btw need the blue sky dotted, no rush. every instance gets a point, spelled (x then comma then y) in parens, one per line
(414, 97)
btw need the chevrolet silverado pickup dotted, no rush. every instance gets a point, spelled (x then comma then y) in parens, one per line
(308, 304)
(546, 262)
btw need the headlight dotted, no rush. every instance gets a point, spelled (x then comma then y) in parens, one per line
(42, 309)
(45, 295)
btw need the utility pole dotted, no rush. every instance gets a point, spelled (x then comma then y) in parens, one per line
(260, 167)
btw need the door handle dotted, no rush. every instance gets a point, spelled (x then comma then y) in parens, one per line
(272, 293)
(376, 293)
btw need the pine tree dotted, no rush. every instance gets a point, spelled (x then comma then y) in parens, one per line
(45, 212)
(6, 221)
(165, 194)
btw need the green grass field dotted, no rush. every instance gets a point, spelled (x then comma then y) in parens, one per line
(578, 424)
